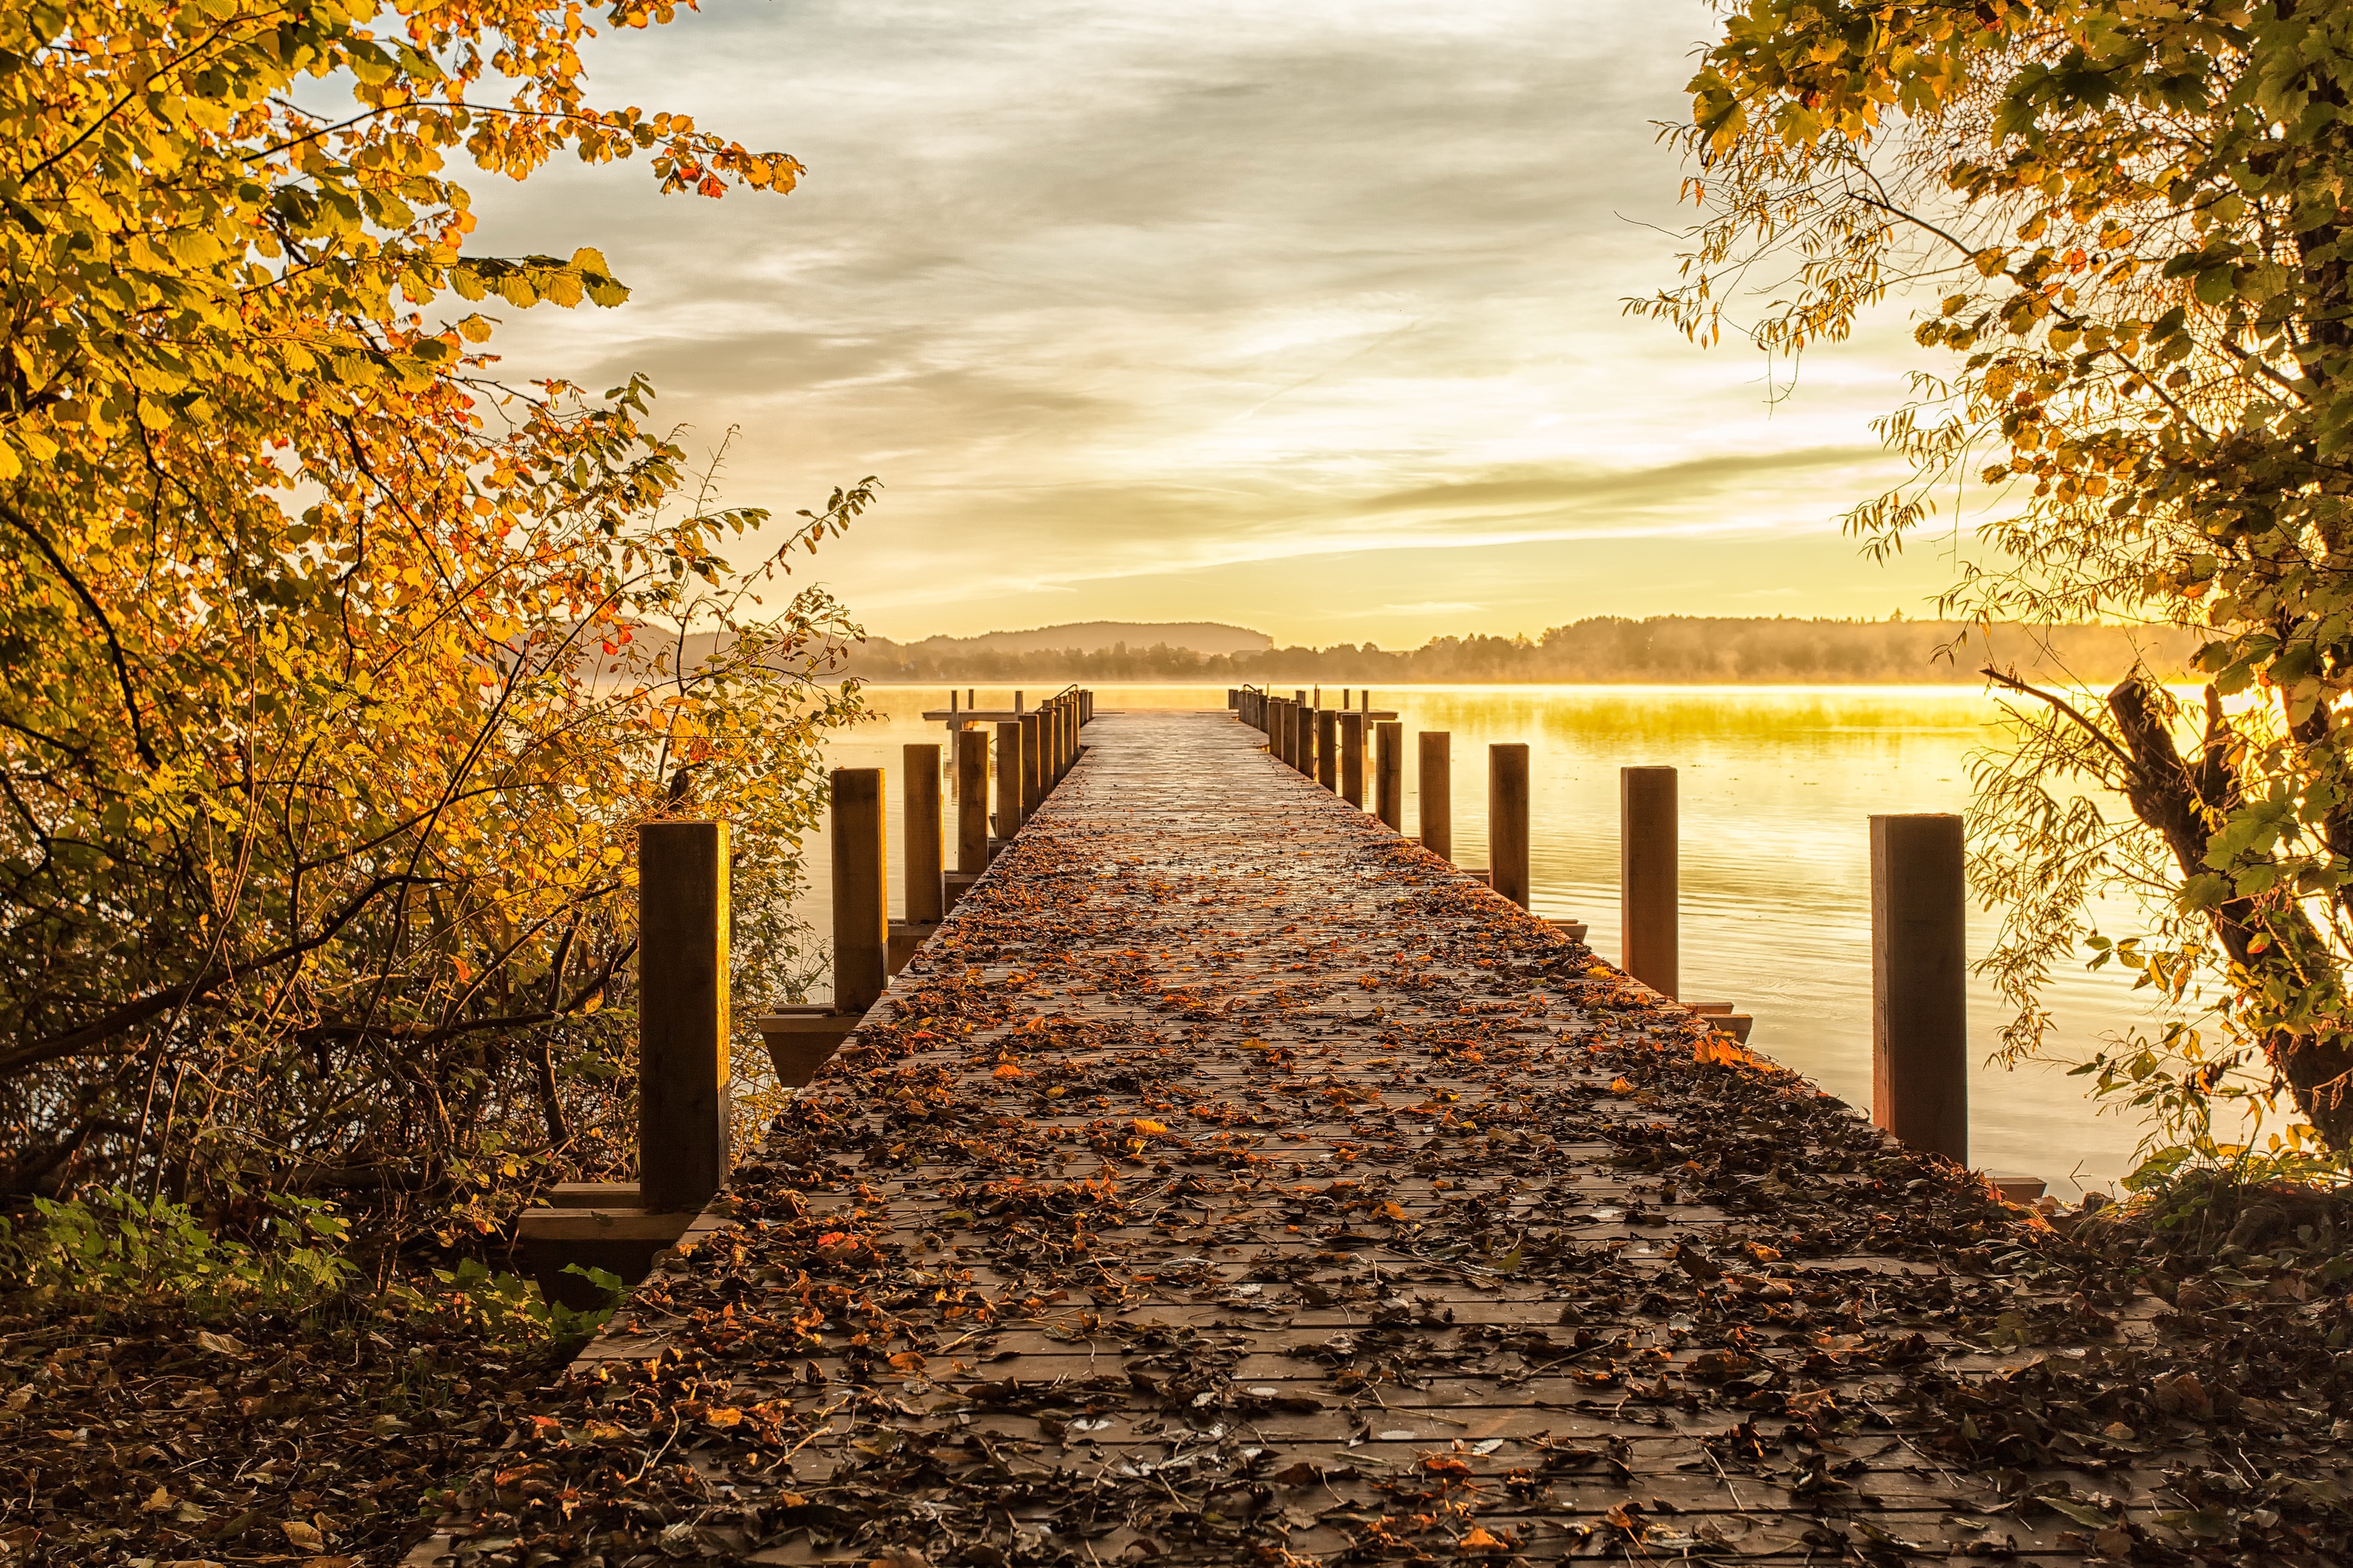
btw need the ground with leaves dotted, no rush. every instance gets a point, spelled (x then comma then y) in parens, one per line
(1231, 1181)
(256, 1437)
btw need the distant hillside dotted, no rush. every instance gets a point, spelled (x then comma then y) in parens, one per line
(1102, 637)
(1662, 649)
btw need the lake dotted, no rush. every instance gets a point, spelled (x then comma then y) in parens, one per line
(1777, 786)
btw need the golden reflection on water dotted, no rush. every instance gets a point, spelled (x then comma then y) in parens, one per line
(1777, 788)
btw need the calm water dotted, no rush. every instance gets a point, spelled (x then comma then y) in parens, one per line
(1777, 786)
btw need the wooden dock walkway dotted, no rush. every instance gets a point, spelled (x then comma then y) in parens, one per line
(1230, 1181)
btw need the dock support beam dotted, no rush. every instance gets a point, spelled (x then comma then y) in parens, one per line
(1388, 775)
(1647, 891)
(920, 794)
(1436, 781)
(861, 914)
(1919, 978)
(1327, 749)
(1352, 759)
(1507, 821)
(683, 1066)
(972, 802)
(1009, 779)
(1033, 763)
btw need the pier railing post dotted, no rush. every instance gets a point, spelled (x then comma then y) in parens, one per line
(1327, 748)
(1033, 763)
(682, 1064)
(920, 792)
(861, 914)
(1647, 891)
(1507, 821)
(1352, 759)
(1008, 778)
(972, 801)
(1919, 980)
(1388, 774)
(1435, 784)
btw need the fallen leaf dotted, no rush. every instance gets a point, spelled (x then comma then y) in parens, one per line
(301, 1535)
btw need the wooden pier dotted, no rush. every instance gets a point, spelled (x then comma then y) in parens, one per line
(1230, 1180)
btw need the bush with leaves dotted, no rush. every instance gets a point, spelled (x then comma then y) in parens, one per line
(2133, 221)
(328, 705)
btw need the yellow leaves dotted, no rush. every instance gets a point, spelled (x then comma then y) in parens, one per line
(1149, 1127)
(1621, 1086)
(1722, 1050)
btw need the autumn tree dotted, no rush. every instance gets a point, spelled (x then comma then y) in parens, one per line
(337, 671)
(2126, 222)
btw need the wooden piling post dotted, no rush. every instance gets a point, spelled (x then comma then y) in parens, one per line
(1327, 748)
(1033, 763)
(1008, 778)
(1436, 782)
(1507, 821)
(1303, 727)
(1352, 758)
(1388, 775)
(972, 801)
(1919, 983)
(920, 794)
(861, 913)
(1647, 861)
(683, 1066)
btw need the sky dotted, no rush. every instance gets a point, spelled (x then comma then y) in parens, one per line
(1304, 317)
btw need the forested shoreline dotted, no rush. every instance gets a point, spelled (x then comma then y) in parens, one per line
(1688, 649)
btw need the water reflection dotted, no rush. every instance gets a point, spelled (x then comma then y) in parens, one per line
(1777, 788)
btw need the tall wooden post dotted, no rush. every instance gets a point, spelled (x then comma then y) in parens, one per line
(683, 1066)
(861, 913)
(972, 801)
(1304, 721)
(1286, 727)
(1008, 778)
(1352, 758)
(1919, 983)
(920, 792)
(1327, 748)
(1507, 821)
(1436, 781)
(1388, 775)
(1033, 763)
(1648, 834)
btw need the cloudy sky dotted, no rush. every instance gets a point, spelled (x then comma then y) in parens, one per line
(1302, 316)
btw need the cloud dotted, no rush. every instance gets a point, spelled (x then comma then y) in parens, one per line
(1125, 300)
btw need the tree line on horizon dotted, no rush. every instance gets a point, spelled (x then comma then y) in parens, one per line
(1658, 650)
